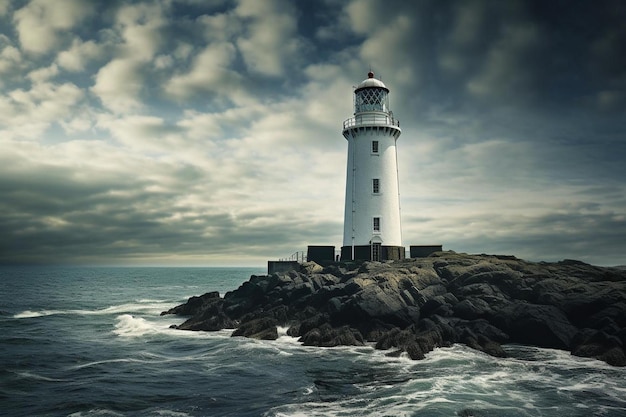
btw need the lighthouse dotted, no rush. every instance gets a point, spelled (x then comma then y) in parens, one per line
(372, 225)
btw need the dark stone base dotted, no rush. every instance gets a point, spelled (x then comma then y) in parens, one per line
(320, 254)
(365, 253)
(422, 251)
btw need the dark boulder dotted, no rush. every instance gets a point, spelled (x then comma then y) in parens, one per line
(193, 304)
(600, 345)
(395, 338)
(211, 317)
(305, 325)
(537, 325)
(378, 303)
(416, 341)
(327, 336)
(471, 308)
(480, 327)
(261, 328)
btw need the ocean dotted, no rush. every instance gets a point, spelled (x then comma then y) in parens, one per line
(83, 341)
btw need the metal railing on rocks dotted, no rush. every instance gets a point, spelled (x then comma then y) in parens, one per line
(299, 256)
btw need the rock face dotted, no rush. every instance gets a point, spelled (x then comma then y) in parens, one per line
(415, 305)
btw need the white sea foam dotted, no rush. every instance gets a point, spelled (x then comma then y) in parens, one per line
(106, 362)
(146, 306)
(31, 314)
(170, 413)
(37, 377)
(96, 412)
(130, 326)
(465, 379)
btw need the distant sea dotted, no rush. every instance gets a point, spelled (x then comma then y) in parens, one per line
(90, 342)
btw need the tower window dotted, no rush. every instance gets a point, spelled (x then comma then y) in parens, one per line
(376, 224)
(374, 146)
(376, 185)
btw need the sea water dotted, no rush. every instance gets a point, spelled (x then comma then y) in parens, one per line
(90, 342)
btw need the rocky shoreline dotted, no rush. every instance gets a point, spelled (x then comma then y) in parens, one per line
(415, 305)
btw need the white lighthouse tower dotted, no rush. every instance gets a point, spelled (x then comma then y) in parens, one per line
(372, 228)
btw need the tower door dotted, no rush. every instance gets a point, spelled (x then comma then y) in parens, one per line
(376, 246)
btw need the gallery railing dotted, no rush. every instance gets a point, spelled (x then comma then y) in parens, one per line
(371, 119)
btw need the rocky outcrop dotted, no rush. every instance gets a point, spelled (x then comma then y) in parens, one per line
(415, 305)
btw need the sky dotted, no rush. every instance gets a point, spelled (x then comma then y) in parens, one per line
(189, 132)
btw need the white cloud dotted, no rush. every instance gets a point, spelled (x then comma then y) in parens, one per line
(42, 24)
(118, 85)
(140, 28)
(121, 81)
(79, 54)
(270, 43)
(225, 125)
(10, 59)
(80, 121)
(43, 74)
(210, 72)
(28, 113)
(222, 27)
(141, 134)
(362, 15)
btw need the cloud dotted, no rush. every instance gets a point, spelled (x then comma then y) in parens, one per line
(79, 55)
(363, 15)
(140, 27)
(270, 44)
(141, 133)
(99, 201)
(210, 72)
(376, 50)
(10, 60)
(119, 84)
(501, 75)
(41, 25)
(189, 132)
(43, 74)
(469, 22)
(28, 113)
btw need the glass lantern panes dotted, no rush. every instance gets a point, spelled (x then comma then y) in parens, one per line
(371, 99)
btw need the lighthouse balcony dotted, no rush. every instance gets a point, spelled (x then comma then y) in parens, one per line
(371, 119)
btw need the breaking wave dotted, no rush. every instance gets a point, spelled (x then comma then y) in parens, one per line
(145, 306)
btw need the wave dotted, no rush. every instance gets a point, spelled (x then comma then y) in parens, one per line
(147, 306)
(27, 314)
(170, 413)
(96, 412)
(101, 412)
(106, 362)
(131, 326)
(36, 377)
(465, 380)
